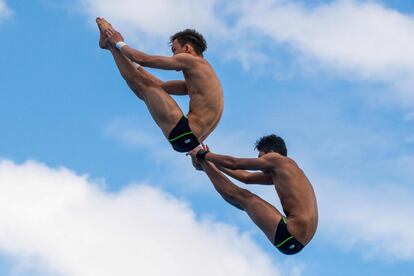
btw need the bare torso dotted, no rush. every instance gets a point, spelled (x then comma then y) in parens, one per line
(206, 98)
(297, 198)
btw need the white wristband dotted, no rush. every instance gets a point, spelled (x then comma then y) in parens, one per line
(119, 45)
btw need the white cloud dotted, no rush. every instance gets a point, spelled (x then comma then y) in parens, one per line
(358, 40)
(151, 23)
(362, 40)
(62, 223)
(366, 202)
(349, 216)
(371, 220)
(375, 221)
(363, 178)
(5, 11)
(363, 181)
(347, 34)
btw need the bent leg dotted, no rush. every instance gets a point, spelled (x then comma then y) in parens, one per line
(263, 214)
(164, 110)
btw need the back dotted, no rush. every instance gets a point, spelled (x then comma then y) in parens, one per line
(297, 198)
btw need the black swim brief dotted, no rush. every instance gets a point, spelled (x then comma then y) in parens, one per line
(284, 241)
(182, 138)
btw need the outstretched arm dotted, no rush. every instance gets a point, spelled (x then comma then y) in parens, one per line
(177, 62)
(237, 173)
(175, 87)
(248, 177)
(265, 162)
(234, 163)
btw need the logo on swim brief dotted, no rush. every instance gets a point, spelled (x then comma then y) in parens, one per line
(187, 141)
(292, 246)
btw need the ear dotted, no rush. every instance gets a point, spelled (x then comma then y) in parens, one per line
(187, 48)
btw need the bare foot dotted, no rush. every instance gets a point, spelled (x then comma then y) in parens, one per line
(106, 24)
(103, 39)
(109, 36)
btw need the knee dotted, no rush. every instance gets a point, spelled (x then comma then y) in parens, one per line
(240, 195)
(142, 82)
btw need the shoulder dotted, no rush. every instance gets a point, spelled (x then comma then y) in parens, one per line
(190, 59)
(185, 57)
(274, 159)
(273, 156)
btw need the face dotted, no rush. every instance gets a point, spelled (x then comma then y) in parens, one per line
(176, 48)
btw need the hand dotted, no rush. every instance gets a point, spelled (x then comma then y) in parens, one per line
(196, 164)
(205, 147)
(194, 159)
(193, 153)
(113, 36)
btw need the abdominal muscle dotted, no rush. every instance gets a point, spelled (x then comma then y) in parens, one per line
(203, 117)
(206, 99)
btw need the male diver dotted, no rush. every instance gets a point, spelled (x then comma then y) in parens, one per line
(289, 233)
(200, 83)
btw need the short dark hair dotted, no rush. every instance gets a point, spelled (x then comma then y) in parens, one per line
(191, 37)
(271, 143)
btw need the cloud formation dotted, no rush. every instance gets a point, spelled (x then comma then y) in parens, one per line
(151, 23)
(353, 215)
(358, 40)
(62, 223)
(361, 40)
(374, 221)
(346, 34)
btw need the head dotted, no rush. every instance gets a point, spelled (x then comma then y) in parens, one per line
(188, 41)
(271, 143)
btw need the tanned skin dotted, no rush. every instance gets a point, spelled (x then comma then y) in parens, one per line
(292, 186)
(200, 83)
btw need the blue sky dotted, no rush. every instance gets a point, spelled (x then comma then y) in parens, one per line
(84, 168)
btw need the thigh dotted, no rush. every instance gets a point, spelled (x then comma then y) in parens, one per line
(162, 107)
(264, 215)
